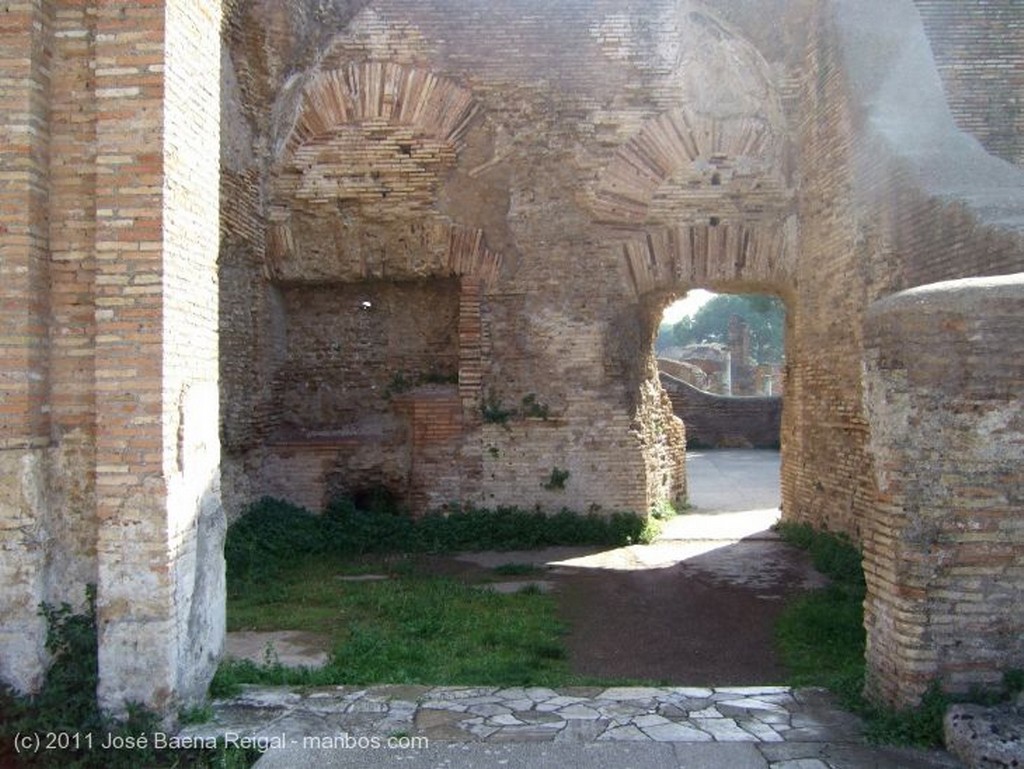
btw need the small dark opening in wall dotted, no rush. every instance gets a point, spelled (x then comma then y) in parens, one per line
(716, 179)
(714, 221)
(405, 149)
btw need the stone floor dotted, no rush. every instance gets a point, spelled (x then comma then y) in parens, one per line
(782, 728)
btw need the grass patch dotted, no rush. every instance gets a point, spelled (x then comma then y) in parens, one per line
(410, 629)
(284, 568)
(821, 635)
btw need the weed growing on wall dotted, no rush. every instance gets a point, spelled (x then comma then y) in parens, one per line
(556, 481)
(65, 715)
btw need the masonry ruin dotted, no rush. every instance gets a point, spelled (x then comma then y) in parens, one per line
(301, 248)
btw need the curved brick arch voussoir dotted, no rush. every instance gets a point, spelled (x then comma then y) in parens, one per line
(383, 91)
(706, 256)
(665, 145)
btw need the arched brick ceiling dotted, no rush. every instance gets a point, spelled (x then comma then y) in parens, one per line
(701, 155)
(370, 143)
(387, 93)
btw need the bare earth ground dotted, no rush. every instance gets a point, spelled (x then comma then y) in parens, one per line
(697, 607)
(677, 612)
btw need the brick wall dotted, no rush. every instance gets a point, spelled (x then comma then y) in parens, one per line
(944, 386)
(722, 422)
(896, 198)
(26, 44)
(571, 284)
(550, 176)
(979, 49)
(24, 271)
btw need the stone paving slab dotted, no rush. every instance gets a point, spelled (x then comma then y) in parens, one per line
(483, 756)
(772, 727)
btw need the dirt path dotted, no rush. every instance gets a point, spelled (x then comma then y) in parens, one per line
(683, 625)
(683, 613)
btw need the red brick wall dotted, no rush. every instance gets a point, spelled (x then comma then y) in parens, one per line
(979, 49)
(26, 52)
(26, 64)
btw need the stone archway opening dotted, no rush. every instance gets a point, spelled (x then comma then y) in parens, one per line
(721, 360)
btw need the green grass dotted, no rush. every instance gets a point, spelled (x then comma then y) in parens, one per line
(284, 568)
(409, 629)
(821, 635)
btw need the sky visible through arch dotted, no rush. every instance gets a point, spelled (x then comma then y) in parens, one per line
(686, 306)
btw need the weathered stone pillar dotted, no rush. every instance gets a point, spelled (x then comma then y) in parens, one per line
(24, 278)
(161, 574)
(944, 552)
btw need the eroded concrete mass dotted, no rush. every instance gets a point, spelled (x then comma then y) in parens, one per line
(779, 727)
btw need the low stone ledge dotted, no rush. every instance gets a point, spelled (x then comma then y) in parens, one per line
(986, 737)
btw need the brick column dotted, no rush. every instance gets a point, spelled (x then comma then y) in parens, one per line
(944, 548)
(157, 477)
(25, 50)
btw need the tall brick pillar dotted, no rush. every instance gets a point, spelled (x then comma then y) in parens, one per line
(944, 549)
(25, 30)
(159, 549)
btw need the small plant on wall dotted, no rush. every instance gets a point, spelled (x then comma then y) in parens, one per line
(493, 410)
(532, 408)
(556, 481)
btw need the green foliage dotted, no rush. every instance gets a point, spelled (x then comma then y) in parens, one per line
(821, 635)
(834, 555)
(765, 316)
(493, 411)
(408, 629)
(403, 381)
(272, 534)
(534, 408)
(198, 714)
(556, 481)
(67, 704)
(664, 510)
(921, 726)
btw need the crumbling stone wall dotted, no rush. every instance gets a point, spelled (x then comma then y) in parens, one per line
(944, 386)
(725, 422)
